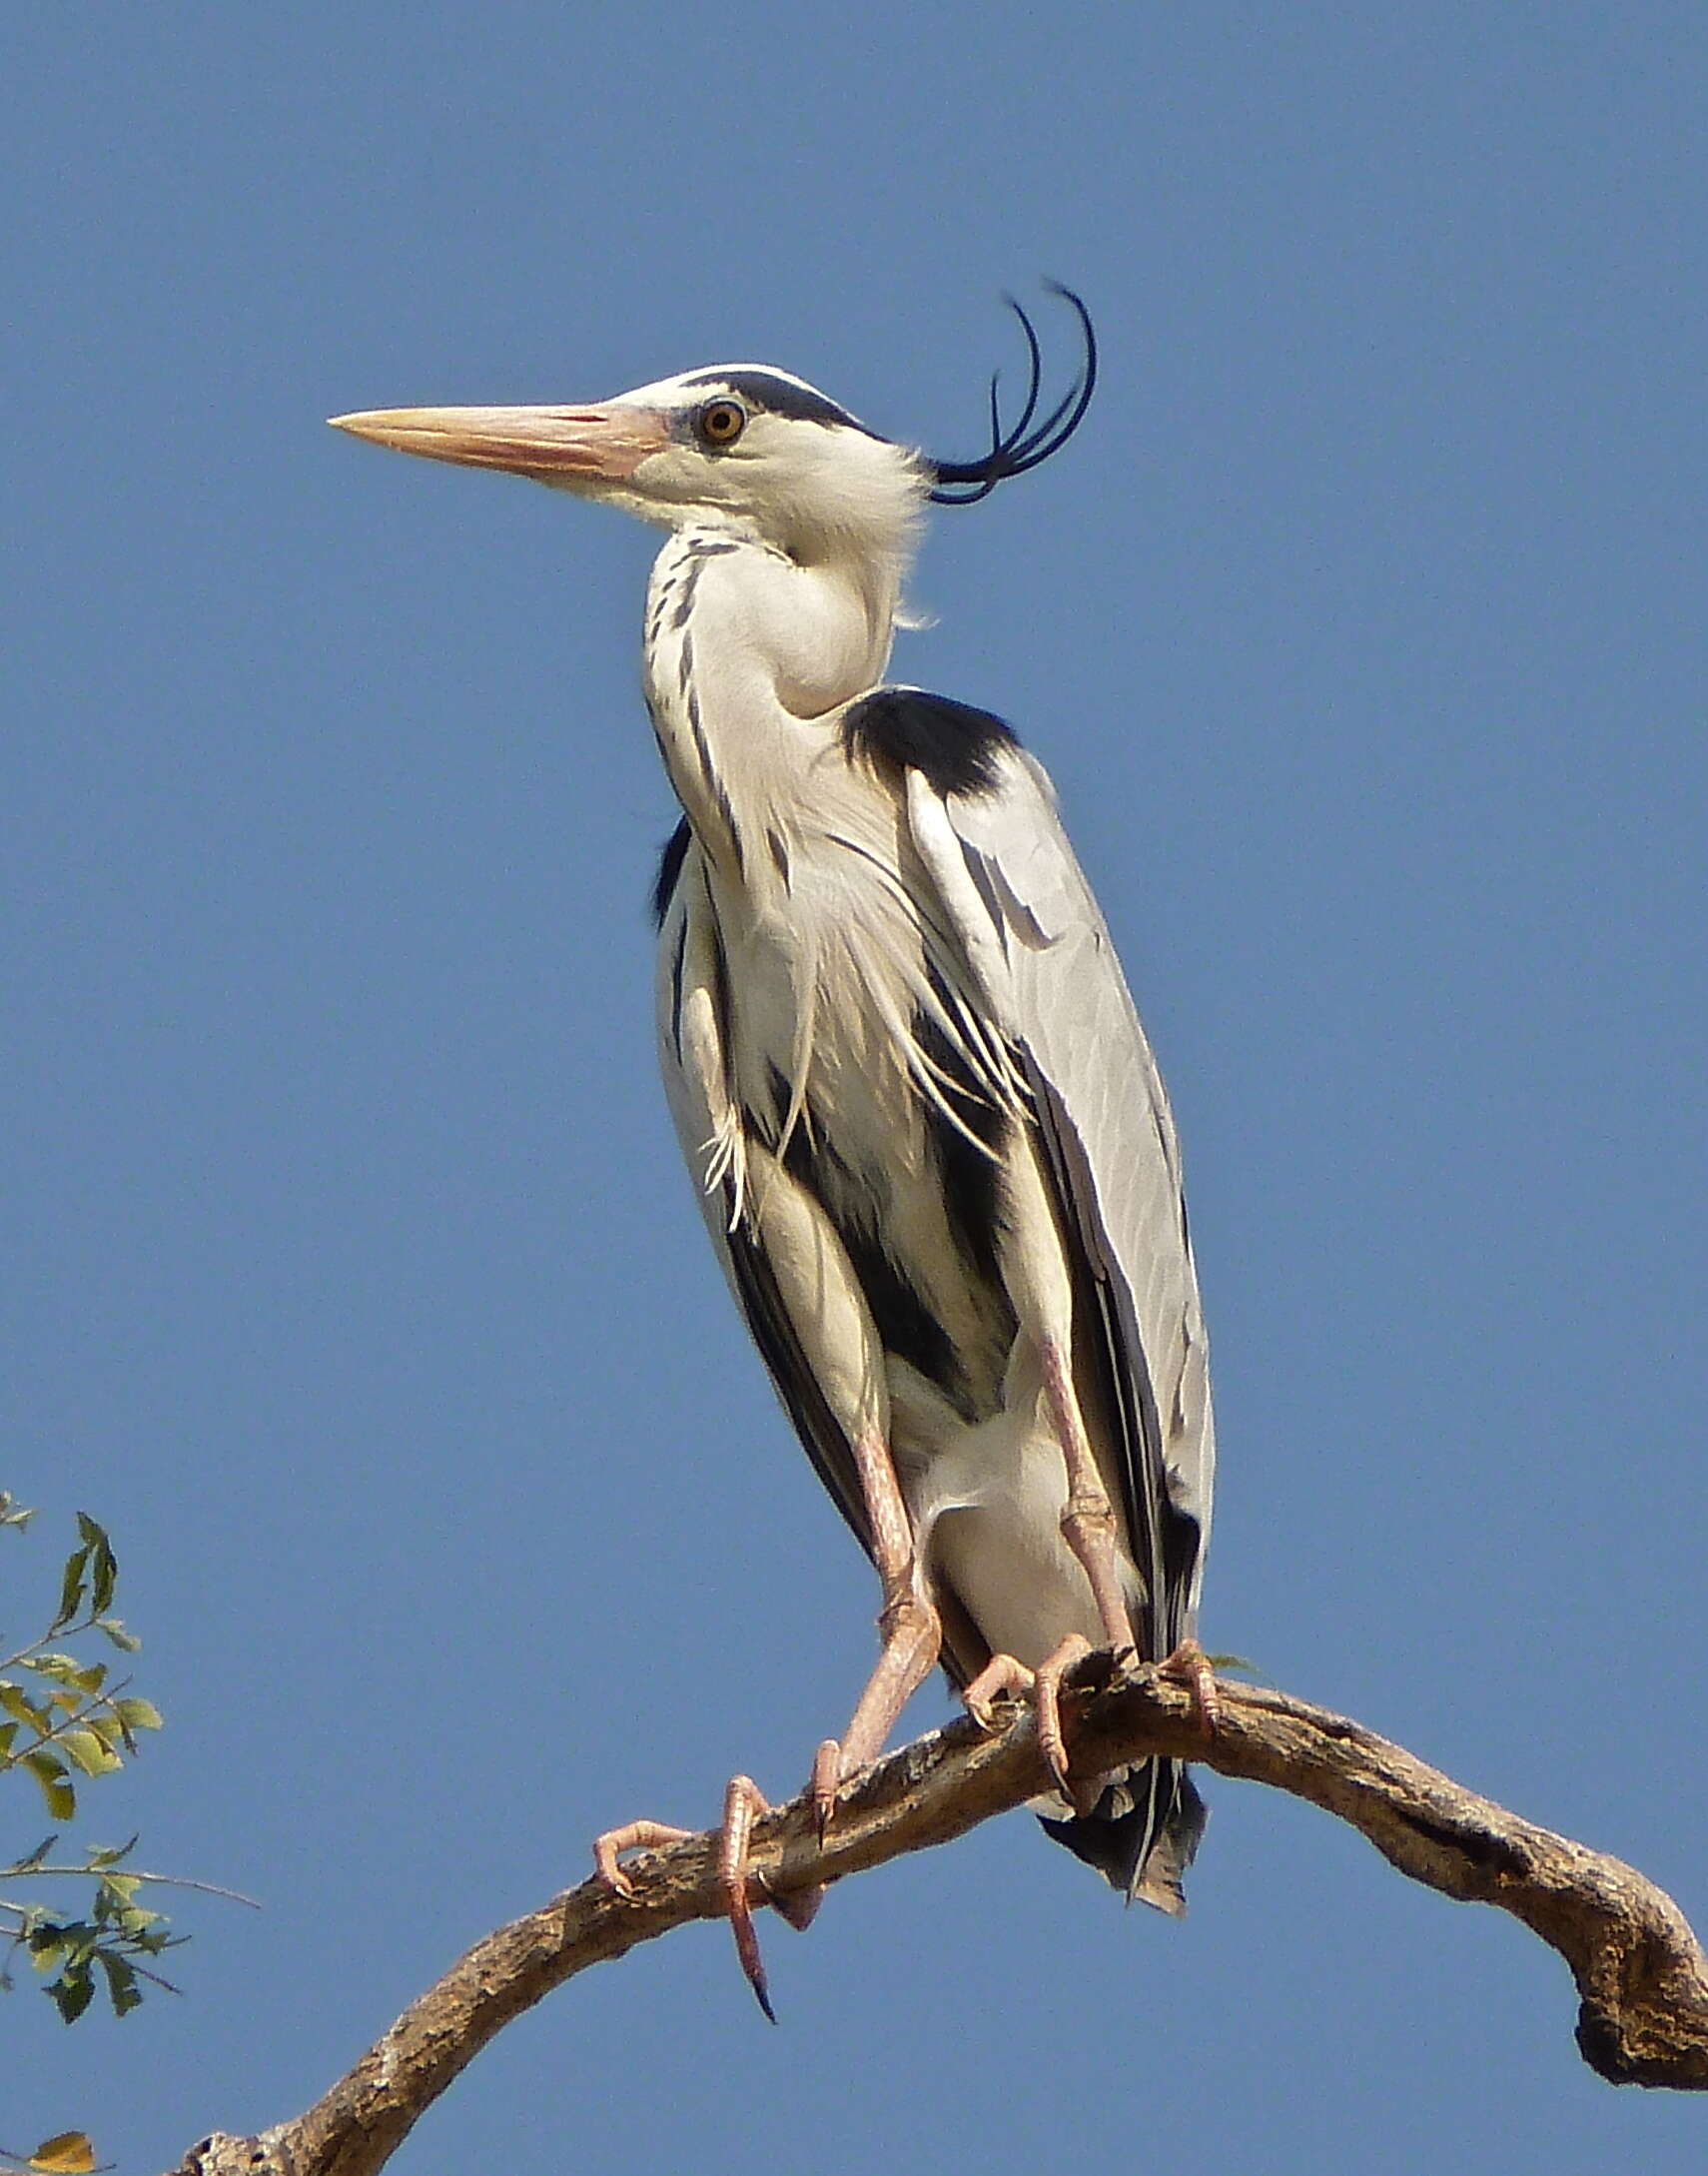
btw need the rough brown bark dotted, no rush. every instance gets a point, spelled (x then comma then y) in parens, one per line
(1642, 1980)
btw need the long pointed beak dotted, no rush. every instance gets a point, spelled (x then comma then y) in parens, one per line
(551, 445)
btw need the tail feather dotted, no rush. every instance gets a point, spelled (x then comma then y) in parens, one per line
(1142, 1835)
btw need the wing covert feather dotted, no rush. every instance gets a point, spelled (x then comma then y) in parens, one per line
(1036, 941)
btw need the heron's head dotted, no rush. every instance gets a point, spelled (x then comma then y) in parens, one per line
(739, 446)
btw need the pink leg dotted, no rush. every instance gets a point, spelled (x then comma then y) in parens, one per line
(1087, 1524)
(912, 1636)
(911, 1630)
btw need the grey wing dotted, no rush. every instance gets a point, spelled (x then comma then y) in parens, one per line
(1036, 948)
(709, 1122)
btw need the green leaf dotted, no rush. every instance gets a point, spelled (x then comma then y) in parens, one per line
(12, 1513)
(61, 1669)
(21, 1710)
(121, 1989)
(114, 1628)
(103, 1564)
(70, 1586)
(49, 1772)
(109, 1854)
(136, 1713)
(46, 1945)
(84, 1750)
(73, 1991)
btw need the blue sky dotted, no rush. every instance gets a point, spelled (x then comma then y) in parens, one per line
(352, 1277)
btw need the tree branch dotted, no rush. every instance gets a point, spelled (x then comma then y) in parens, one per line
(1641, 1976)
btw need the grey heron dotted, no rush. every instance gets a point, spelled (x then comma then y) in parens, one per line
(930, 1141)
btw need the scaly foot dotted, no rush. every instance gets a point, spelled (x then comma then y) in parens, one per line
(743, 1802)
(632, 1836)
(1003, 1677)
(1188, 1666)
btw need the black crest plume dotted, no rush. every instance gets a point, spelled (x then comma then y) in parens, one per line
(1025, 443)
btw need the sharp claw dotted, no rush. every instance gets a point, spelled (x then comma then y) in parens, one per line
(747, 1950)
(742, 1802)
(1050, 1742)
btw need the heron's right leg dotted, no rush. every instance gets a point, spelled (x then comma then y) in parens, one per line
(839, 1347)
(839, 1344)
(909, 1626)
(912, 1635)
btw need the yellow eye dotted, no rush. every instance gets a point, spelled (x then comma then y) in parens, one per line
(722, 423)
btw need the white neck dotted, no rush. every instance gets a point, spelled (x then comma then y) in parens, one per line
(748, 655)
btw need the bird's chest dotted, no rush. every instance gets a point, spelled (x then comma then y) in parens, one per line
(842, 1074)
(821, 996)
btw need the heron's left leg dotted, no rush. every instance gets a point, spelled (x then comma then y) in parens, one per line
(1089, 1527)
(1035, 1272)
(1087, 1521)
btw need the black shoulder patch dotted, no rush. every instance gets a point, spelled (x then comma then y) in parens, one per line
(776, 395)
(953, 746)
(669, 870)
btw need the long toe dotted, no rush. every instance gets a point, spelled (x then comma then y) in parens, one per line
(1047, 1694)
(632, 1836)
(743, 1802)
(1188, 1666)
(1002, 1678)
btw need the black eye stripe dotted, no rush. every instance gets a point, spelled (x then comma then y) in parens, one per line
(767, 391)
